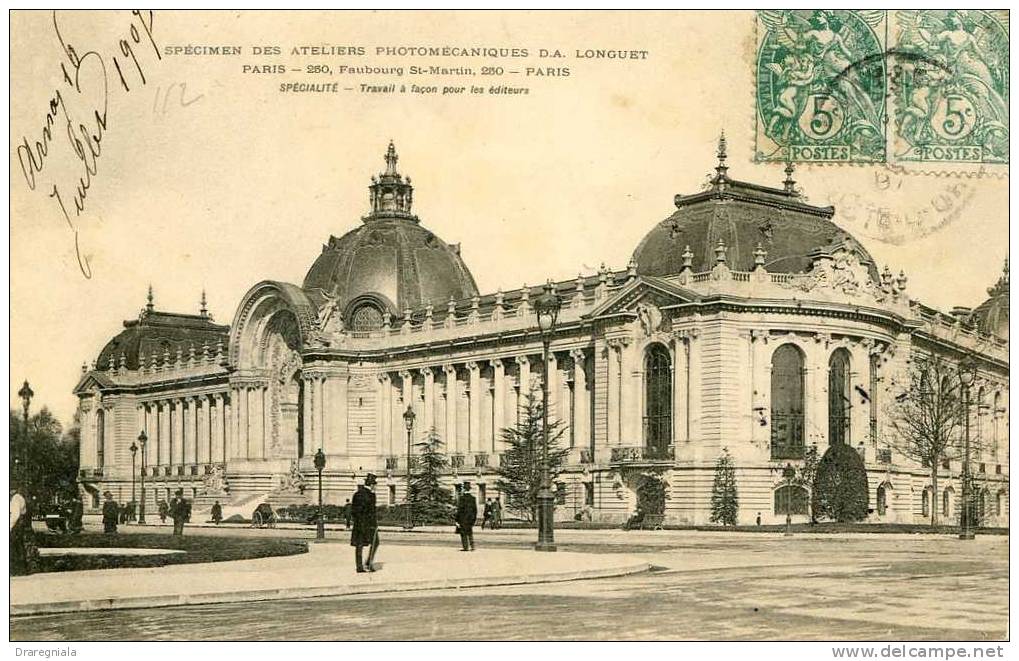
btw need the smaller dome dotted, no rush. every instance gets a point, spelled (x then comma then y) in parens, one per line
(162, 334)
(991, 316)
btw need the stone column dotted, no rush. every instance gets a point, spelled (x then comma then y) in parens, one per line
(201, 435)
(694, 362)
(188, 431)
(322, 393)
(428, 414)
(256, 414)
(612, 391)
(179, 428)
(498, 403)
(555, 411)
(244, 431)
(385, 414)
(407, 392)
(452, 397)
(816, 395)
(581, 433)
(474, 400)
(680, 389)
(215, 427)
(760, 387)
(524, 390)
(338, 443)
(227, 420)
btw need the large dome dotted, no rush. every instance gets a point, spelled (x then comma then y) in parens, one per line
(390, 262)
(991, 316)
(744, 216)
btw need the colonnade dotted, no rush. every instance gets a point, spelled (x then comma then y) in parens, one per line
(186, 430)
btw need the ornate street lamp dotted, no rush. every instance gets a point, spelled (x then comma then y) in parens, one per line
(26, 395)
(320, 463)
(966, 376)
(546, 307)
(788, 473)
(143, 438)
(134, 451)
(408, 420)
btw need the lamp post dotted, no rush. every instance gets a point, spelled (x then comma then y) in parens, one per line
(547, 309)
(320, 463)
(408, 420)
(143, 438)
(788, 473)
(134, 451)
(26, 395)
(966, 376)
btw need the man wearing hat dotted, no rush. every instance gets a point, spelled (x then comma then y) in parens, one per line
(180, 511)
(110, 513)
(365, 532)
(466, 515)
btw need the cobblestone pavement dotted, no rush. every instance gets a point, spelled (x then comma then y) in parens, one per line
(706, 586)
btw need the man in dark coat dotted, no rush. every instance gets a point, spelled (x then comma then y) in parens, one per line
(365, 532)
(75, 514)
(111, 513)
(466, 515)
(180, 511)
(217, 512)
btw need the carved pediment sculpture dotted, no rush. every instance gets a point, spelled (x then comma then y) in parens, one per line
(650, 317)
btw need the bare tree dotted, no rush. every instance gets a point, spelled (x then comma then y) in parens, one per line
(928, 416)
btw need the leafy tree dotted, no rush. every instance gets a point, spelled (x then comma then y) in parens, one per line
(431, 502)
(724, 496)
(840, 488)
(49, 456)
(520, 469)
(928, 415)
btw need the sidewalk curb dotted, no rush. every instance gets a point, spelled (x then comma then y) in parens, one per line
(270, 594)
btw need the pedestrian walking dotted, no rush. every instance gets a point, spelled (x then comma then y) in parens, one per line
(217, 512)
(346, 514)
(758, 518)
(23, 553)
(486, 517)
(111, 514)
(466, 515)
(75, 514)
(164, 511)
(180, 512)
(496, 514)
(366, 531)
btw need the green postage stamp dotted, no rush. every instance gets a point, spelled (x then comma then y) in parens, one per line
(821, 85)
(917, 86)
(950, 87)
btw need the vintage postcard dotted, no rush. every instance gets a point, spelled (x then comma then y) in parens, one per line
(516, 325)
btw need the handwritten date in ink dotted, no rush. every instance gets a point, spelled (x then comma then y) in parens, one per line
(77, 114)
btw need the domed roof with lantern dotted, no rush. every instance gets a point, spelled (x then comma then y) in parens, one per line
(991, 316)
(390, 263)
(747, 218)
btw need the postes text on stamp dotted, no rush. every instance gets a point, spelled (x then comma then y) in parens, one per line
(821, 86)
(951, 97)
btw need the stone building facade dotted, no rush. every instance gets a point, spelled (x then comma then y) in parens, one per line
(746, 321)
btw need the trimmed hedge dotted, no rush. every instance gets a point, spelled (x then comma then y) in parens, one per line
(196, 549)
(387, 515)
(840, 487)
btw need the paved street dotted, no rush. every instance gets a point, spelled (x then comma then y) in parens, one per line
(705, 586)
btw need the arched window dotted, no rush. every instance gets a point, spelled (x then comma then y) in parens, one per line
(925, 502)
(980, 406)
(366, 317)
(658, 401)
(100, 438)
(872, 393)
(882, 500)
(946, 502)
(839, 401)
(791, 498)
(787, 403)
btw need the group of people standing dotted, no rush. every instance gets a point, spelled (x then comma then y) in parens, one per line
(178, 509)
(365, 532)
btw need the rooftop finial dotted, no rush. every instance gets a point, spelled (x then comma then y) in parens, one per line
(721, 168)
(391, 158)
(1001, 286)
(205, 310)
(789, 184)
(150, 306)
